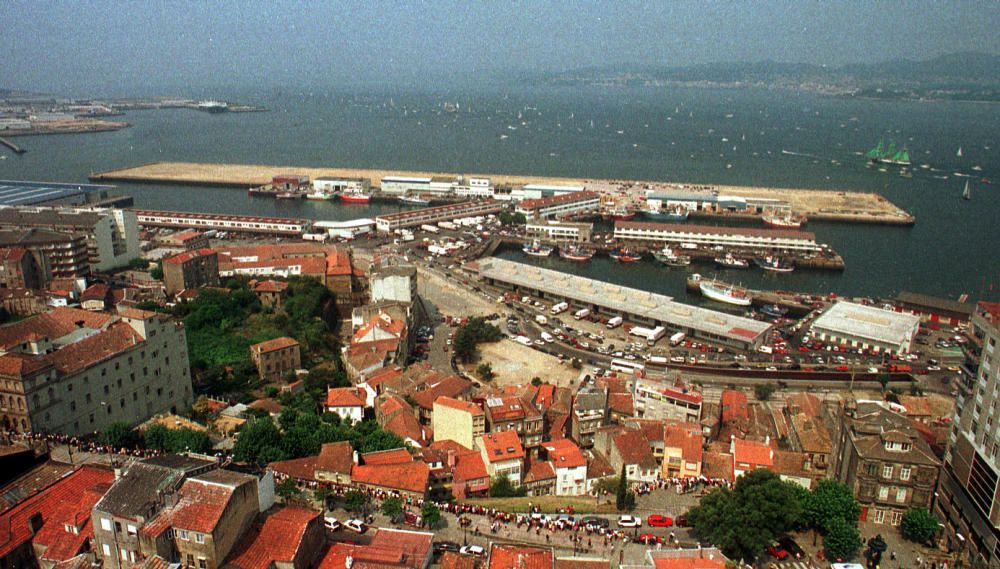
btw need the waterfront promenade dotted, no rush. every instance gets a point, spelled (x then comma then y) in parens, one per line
(831, 205)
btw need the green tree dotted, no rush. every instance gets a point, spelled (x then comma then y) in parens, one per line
(356, 502)
(502, 487)
(138, 264)
(842, 540)
(624, 498)
(919, 525)
(157, 271)
(120, 434)
(322, 495)
(256, 436)
(393, 508)
(763, 391)
(430, 514)
(287, 488)
(828, 501)
(189, 440)
(157, 437)
(744, 520)
(485, 371)
(475, 331)
(536, 381)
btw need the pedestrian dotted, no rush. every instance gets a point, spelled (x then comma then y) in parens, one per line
(892, 556)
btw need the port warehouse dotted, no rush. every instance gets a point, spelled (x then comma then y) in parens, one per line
(560, 205)
(34, 193)
(713, 202)
(439, 185)
(238, 223)
(639, 307)
(770, 239)
(866, 327)
(329, 184)
(559, 230)
(428, 215)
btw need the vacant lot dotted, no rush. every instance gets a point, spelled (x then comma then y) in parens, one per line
(515, 364)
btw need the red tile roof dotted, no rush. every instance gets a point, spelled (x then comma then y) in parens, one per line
(185, 256)
(270, 286)
(546, 396)
(509, 408)
(467, 406)
(689, 442)
(754, 453)
(540, 470)
(633, 447)
(469, 466)
(394, 456)
(449, 386)
(734, 406)
(278, 539)
(570, 197)
(804, 403)
(503, 556)
(582, 563)
(53, 324)
(390, 548)
(13, 364)
(621, 403)
(380, 321)
(392, 405)
(406, 426)
(97, 291)
(451, 560)
(383, 375)
(336, 457)
(718, 562)
(344, 397)
(201, 505)
(564, 453)
(409, 477)
(275, 344)
(302, 468)
(501, 446)
(114, 340)
(67, 501)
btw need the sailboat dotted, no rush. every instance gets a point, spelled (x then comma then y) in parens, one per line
(888, 154)
(966, 193)
(959, 153)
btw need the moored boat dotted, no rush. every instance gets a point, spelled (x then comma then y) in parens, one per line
(289, 196)
(321, 196)
(675, 213)
(624, 255)
(574, 253)
(723, 292)
(536, 249)
(668, 257)
(355, 197)
(414, 200)
(774, 264)
(731, 262)
(782, 220)
(619, 213)
(773, 310)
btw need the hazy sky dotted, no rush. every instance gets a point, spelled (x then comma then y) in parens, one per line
(117, 47)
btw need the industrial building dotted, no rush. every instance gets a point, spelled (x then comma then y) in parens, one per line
(866, 327)
(34, 193)
(439, 185)
(538, 191)
(559, 230)
(560, 205)
(112, 235)
(765, 239)
(346, 229)
(934, 309)
(223, 222)
(347, 185)
(711, 201)
(429, 215)
(637, 306)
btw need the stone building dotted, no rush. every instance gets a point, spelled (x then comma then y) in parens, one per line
(190, 269)
(19, 268)
(276, 358)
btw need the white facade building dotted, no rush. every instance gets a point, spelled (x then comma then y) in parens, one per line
(559, 230)
(773, 239)
(867, 327)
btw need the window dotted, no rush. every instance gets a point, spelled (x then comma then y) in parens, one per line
(106, 525)
(871, 469)
(183, 534)
(896, 518)
(883, 492)
(199, 538)
(879, 517)
(106, 549)
(132, 530)
(901, 495)
(887, 471)
(202, 564)
(904, 473)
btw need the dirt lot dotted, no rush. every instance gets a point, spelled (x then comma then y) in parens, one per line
(516, 364)
(451, 299)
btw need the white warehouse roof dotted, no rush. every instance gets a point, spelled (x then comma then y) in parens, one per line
(868, 322)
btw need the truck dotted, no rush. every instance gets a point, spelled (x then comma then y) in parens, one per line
(541, 319)
(430, 228)
(615, 322)
(447, 225)
(559, 308)
(548, 338)
(314, 236)
(581, 314)
(650, 334)
(523, 340)
(677, 338)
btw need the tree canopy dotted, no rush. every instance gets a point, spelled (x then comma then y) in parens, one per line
(430, 514)
(476, 330)
(120, 434)
(502, 487)
(828, 501)
(161, 438)
(919, 525)
(842, 540)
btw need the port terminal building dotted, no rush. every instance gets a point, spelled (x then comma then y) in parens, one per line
(330, 184)
(430, 215)
(636, 306)
(736, 237)
(712, 202)
(222, 222)
(866, 327)
(560, 205)
(554, 230)
(436, 185)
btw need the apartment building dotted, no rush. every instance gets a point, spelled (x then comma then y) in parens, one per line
(518, 414)
(459, 421)
(276, 358)
(190, 269)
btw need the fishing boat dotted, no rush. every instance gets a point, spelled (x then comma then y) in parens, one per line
(355, 197)
(668, 257)
(414, 200)
(774, 264)
(883, 154)
(574, 253)
(321, 196)
(731, 262)
(773, 310)
(289, 196)
(536, 249)
(966, 193)
(782, 220)
(674, 213)
(619, 213)
(723, 292)
(624, 255)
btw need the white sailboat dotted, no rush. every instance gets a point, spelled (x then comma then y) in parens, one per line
(959, 153)
(966, 193)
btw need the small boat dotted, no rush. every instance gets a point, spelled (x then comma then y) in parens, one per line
(619, 214)
(624, 255)
(731, 262)
(671, 259)
(574, 253)
(414, 200)
(773, 310)
(536, 249)
(782, 220)
(959, 153)
(966, 193)
(289, 196)
(321, 196)
(774, 264)
(355, 197)
(723, 292)
(675, 213)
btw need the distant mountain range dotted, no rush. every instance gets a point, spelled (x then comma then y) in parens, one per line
(958, 76)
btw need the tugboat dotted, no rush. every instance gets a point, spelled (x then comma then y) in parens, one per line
(671, 259)
(731, 262)
(774, 264)
(723, 292)
(624, 255)
(574, 253)
(536, 249)
(355, 197)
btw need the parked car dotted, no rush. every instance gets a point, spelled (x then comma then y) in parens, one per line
(649, 539)
(789, 545)
(681, 521)
(629, 522)
(331, 523)
(594, 523)
(658, 521)
(356, 526)
(776, 551)
(476, 550)
(442, 546)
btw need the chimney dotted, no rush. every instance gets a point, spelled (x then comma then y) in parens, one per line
(451, 458)
(732, 444)
(349, 562)
(35, 523)
(354, 457)
(767, 440)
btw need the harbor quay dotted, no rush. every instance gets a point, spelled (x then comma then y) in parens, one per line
(814, 204)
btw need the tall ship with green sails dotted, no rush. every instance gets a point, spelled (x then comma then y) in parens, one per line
(883, 154)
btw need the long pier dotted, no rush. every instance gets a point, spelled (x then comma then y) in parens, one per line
(12, 146)
(815, 204)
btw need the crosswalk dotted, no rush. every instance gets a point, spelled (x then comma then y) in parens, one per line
(796, 565)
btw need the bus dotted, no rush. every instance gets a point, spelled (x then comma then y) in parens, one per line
(627, 366)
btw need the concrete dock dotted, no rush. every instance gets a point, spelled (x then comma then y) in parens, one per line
(826, 205)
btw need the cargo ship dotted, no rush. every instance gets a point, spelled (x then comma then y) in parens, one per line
(722, 292)
(574, 253)
(624, 255)
(883, 154)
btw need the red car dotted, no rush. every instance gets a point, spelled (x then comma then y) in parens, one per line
(777, 551)
(649, 539)
(658, 521)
